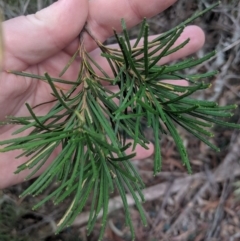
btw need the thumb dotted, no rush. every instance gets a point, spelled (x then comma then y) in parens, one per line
(31, 39)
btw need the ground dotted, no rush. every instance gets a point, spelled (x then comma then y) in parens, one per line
(179, 207)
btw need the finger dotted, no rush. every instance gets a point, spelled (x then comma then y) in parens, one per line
(9, 164)
(104, 15)
(33, 38)
(194, 33)
(141, 152)
(197, 39)
(1, 45)
(8, 178)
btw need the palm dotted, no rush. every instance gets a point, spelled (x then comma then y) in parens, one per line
(17, 90)
(47, 48)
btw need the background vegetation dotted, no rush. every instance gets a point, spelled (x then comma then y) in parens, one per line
(202, 206)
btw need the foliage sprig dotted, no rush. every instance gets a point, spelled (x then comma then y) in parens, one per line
(91, 130)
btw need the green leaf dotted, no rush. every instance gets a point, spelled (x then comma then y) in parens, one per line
(176, 35)
(157, 149)
(69, 63)
(178, 142)
(140, 35)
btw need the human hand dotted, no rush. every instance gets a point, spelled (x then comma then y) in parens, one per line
(45, 41)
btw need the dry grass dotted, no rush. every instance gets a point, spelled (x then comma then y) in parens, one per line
(13, 8)
(179, 207)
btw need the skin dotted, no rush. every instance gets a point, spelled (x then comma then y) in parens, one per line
(45, 41)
